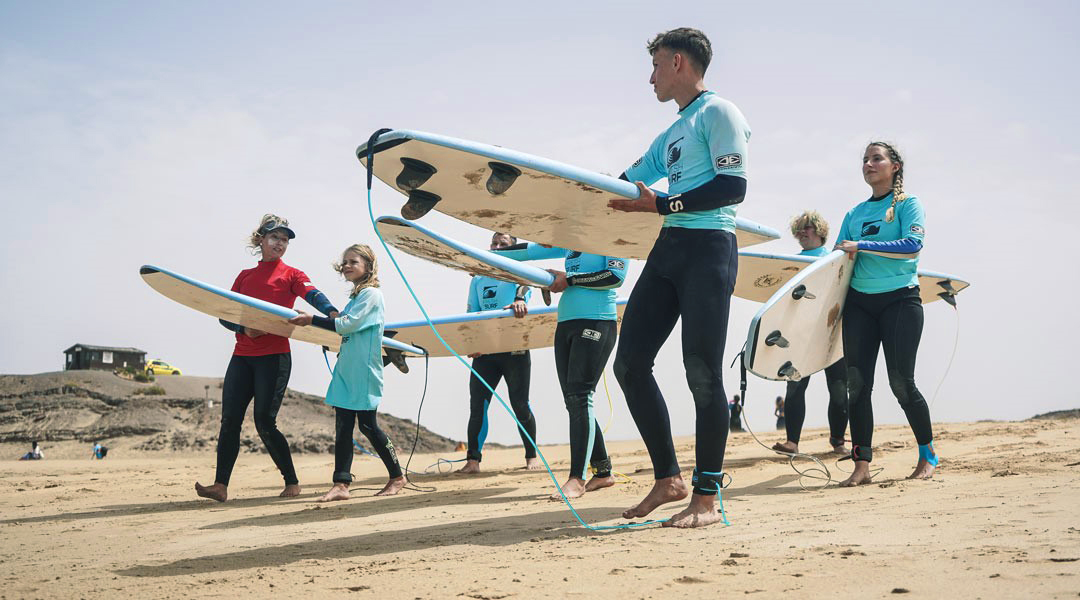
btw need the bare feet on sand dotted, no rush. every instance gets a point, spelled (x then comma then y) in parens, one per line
(923, 470)
(668, 489)
(597, 483)
(393, 486)
(340, 491)
(291, 490)
(218, 491)
(533, 464)
(859, 476)
(573, 488)
(701, 512)
(788, 447)
(471, 467)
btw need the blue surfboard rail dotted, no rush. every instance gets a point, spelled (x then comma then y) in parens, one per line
(269, 307)
(599, 181)
(538, 276)
(479, 316)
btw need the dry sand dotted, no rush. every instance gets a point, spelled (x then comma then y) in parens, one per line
(1001, 519)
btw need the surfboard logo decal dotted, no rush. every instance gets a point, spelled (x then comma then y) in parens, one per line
(729, 161)
(767, 280)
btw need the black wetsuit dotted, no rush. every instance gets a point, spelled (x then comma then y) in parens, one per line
(516, 367)
(582, 348)
(343, 448)
(795, 404)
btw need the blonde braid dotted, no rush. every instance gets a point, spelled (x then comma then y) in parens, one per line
(897, 182)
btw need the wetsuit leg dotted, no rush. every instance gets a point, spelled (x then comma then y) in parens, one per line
(517, 369)
(384, 447)
(490, 369)
(343, 444)
(836, 379)
(650, 316)
(901, 324)
(582, 348)
(236, 394)
(271, 380)
(795, 408)
(861, 342)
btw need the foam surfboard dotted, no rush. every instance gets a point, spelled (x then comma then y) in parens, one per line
(421, 242)
(528, 196)
(486, 332)
(761, 275)
(247, 311)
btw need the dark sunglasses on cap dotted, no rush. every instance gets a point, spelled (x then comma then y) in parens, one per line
(275, 225)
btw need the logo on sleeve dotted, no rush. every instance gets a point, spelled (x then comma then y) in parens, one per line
(614, 263)
(674, 152)
(591, 334)
(637, 162)
(729, 161)
(917, 229)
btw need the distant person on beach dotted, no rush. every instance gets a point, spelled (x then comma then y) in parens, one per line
(99, 451)
(883, 307)
(735, 408)
(262, 362)
(584, 338)
(486, 293)
(356, 388)
(35, 453)
(778, 412)
(689, 275)
(812, 230)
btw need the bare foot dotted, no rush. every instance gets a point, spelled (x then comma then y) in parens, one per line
(471, 467)
(788, 447)
(533, 464)
(573, 488)
(291, 491)
(701, 512)
(668, 489)
(218, 491)
(841, 450)
(923, 470)
(859, 476)
(393, 486)
(597, 483)
(340, 491)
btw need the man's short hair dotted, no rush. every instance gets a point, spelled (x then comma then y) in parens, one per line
(691, 43)
(513, 239)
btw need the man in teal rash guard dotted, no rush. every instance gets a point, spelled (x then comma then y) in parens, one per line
(690, 273)
(486, 293)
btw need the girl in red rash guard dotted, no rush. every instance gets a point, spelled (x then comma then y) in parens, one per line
(261, 362)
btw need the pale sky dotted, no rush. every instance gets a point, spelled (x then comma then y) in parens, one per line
(152, 132)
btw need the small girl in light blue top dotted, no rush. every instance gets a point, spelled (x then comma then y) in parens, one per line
(357, 384)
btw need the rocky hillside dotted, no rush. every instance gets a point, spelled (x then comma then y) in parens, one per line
(89, 406)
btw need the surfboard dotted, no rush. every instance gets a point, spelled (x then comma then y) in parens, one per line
(247, 311)
(528, 196)
(761, 275)
(421, 242)
(487, 332)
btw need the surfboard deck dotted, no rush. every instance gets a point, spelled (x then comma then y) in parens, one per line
(761, 275)
(528, 196)
(421, 242)
(798, 331)
(247, 311)
(486, 332)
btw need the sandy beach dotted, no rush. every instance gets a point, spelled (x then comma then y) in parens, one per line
(999, 519)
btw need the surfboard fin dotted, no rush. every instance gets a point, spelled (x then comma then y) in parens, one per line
(419, 204)
(414, 173)
(546, 295)
(949, 295)
(776, 339)
(800, 292)
(502, 177)
(397, 357)
(787, 371)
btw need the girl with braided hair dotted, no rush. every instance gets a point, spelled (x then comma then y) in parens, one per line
(883, 309)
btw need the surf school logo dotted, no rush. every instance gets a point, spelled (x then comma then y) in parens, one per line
(871, 228)
(614, 263)
(573, 254)
(591, 334)
(674, 152)
(728, 161)
(489, 293)
(917, 229)
(637, 162)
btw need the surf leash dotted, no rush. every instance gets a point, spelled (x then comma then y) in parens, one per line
(371, 215)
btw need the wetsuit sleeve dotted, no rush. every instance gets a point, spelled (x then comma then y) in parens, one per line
(649, 168)
(319, 301)
(233, 327)
(904, 246)
(324, 322)
(728, 135)
(474, 299)
(531, 251)
(720, 191)
(362, 314)
(606, 279)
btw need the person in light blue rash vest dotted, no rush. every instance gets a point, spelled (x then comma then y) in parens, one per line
(883, 308)
(584, 338)
(689, 275)
(356, 387)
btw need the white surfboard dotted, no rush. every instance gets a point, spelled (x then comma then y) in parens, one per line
(798, 330)
(247, 311)
(530, 197)
(486, 332)
(761, 275)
